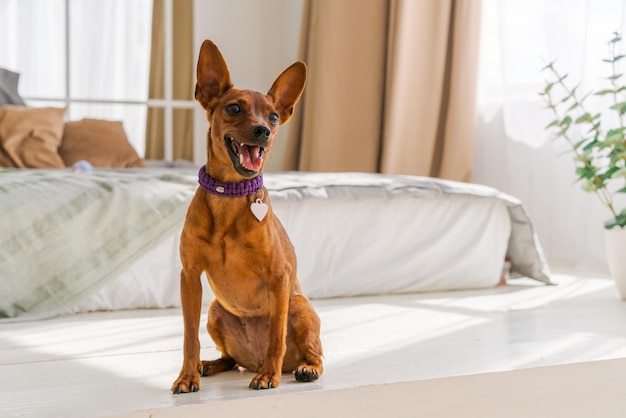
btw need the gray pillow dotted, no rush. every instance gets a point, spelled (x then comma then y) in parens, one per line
(8, 88)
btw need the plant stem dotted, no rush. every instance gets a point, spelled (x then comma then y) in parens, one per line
(614, 83)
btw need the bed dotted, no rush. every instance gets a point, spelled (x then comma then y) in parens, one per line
(108, 239)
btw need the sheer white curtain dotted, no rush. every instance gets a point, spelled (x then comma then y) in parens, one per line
(513, 151)
(109, 56)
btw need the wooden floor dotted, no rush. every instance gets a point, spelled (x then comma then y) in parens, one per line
(523, 349)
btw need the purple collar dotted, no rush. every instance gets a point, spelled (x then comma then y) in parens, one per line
(244, 188)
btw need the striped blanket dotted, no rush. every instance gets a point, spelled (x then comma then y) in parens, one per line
(64, 234)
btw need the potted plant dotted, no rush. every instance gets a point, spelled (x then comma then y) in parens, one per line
(599, 151)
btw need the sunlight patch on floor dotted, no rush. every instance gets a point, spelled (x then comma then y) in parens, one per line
(381, 328)
(523, 294)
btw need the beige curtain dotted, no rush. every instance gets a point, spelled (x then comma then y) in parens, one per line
(391, 88)
(183, 82)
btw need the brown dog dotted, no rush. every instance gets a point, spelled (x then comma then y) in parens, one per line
(259, 319)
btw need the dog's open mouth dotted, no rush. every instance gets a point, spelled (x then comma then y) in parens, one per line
(247, 156)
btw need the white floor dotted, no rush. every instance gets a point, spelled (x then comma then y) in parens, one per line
(522, 350)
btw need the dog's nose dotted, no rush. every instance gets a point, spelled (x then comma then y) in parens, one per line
(261, 132)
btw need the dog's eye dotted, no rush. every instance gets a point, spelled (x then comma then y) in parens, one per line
(233, 109)
(273, 118)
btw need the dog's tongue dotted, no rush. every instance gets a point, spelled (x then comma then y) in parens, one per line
(251, 157)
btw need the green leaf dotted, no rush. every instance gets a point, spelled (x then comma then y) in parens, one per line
(567, 121)
(572, 107)
(551, 124)
(615, 157)
(579, 143)
(595, 127)
(550, 65)
(590, 145)
(615, 172)
(613, 59)
(619, 220)
(609, 173)
(614, 135)
(603, 92)
(548, 87)
(587, 185)
(614, 77)
(621, 107)
(586, 117)
(585, 172)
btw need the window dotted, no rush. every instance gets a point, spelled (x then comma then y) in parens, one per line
(90, 56)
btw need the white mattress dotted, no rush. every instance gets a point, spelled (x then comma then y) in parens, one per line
(370, 246)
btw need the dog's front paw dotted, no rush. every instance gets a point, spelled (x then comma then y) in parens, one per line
(188, 381)
(265, 381)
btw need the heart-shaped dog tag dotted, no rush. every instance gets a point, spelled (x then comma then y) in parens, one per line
(259, 209)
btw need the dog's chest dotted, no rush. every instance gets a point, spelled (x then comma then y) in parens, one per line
(239, 279)
(240, 265)
(237, 250)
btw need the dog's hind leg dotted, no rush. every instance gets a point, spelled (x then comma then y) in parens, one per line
(223, 364)
(304, 336)
(232, 339)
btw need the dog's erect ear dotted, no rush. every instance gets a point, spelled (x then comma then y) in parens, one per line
(212, 75)
(286, 90)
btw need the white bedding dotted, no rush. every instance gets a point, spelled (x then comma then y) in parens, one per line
(150, 282)
(373, 246)
(358, 234)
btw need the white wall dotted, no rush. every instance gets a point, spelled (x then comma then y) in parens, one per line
(259, 39)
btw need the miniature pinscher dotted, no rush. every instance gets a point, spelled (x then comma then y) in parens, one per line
(260, 319)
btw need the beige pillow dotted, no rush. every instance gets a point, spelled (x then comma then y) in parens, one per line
(30, 137)
(101, 142)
